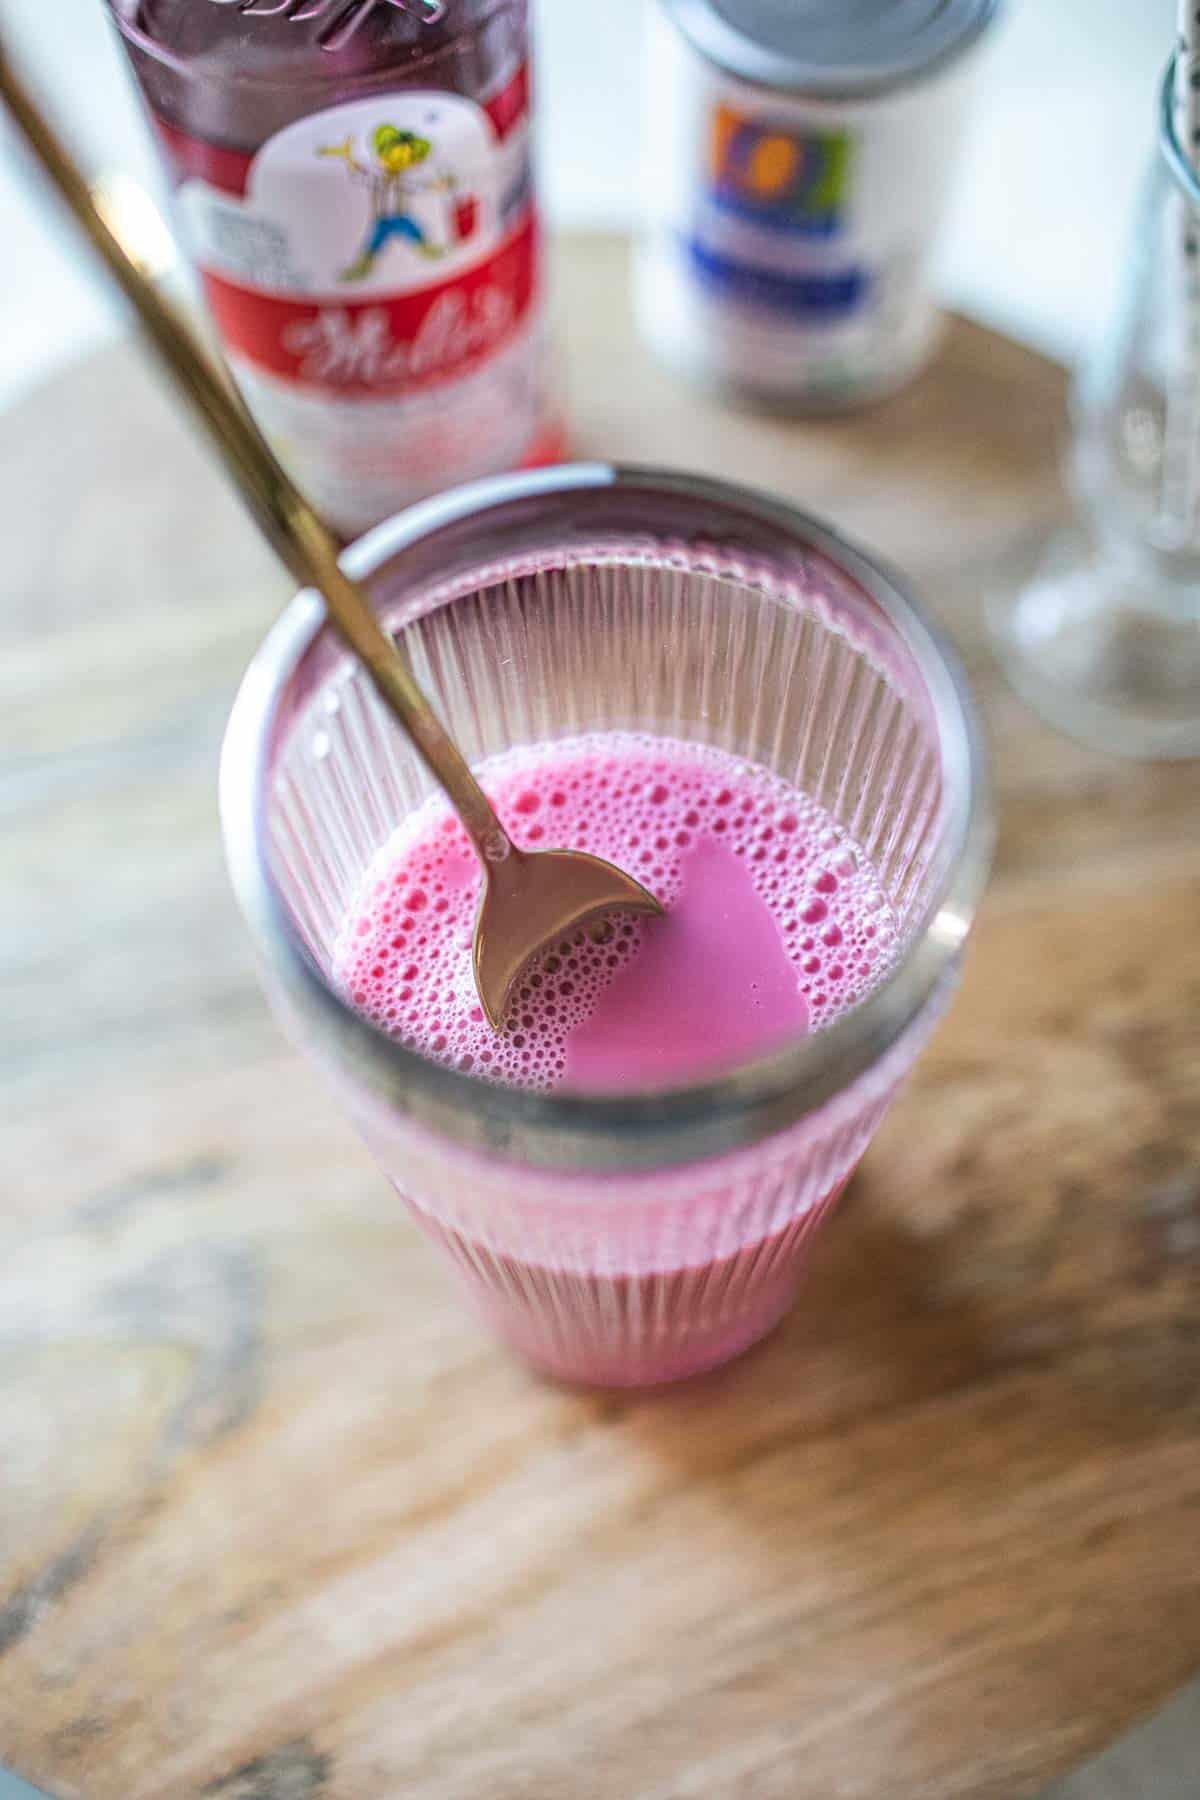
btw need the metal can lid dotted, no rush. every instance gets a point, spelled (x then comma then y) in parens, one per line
(831, 48)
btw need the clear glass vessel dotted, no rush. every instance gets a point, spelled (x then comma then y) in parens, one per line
(1104, 638)
(646, 1237)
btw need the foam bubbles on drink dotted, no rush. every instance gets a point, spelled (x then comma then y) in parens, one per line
(404, 956)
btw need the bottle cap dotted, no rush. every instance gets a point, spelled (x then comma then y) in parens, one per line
(256, 27)
(831, 49)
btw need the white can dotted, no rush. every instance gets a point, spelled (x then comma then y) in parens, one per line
(798, 162)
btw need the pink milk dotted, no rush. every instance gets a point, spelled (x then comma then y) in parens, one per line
(775, 924)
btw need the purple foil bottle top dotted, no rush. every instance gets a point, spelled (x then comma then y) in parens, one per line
(241, 69)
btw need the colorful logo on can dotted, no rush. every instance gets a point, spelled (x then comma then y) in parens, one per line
(788, 181)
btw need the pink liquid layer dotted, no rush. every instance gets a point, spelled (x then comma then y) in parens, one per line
(638, 1330)
(774, 922)
(774, 925)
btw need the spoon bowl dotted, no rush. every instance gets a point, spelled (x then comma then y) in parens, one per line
(554, 894)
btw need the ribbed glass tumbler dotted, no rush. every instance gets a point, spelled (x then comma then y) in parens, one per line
(640, 1238)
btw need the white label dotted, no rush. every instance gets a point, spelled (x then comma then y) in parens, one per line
(787, 241)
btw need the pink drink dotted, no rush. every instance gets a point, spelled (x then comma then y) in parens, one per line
(775, 924)
(631, 1193)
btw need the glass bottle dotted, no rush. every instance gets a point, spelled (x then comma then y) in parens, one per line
(353, 181)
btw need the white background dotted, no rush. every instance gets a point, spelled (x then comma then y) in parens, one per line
(1058, 143)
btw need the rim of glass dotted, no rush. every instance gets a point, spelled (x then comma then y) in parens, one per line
(754, 1098)
(1183, 170)
(186, 65)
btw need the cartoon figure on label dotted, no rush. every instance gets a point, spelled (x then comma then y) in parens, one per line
(393, 190)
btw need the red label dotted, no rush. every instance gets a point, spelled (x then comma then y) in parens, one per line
(376, 248)
(194, 159)
(383, 345)
(511, 103)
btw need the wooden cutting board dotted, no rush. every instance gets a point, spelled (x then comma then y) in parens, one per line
(277, 1520)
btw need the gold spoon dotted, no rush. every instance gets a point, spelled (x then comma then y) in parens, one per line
(529, 899)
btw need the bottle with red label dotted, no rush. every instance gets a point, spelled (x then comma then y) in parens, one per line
(353, 181)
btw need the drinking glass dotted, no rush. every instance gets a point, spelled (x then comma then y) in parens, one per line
(1104, 638)
(638, 1238)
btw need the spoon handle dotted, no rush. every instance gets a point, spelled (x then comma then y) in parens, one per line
(304, 543)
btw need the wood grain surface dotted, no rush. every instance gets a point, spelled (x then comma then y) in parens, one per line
(279, 1522)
